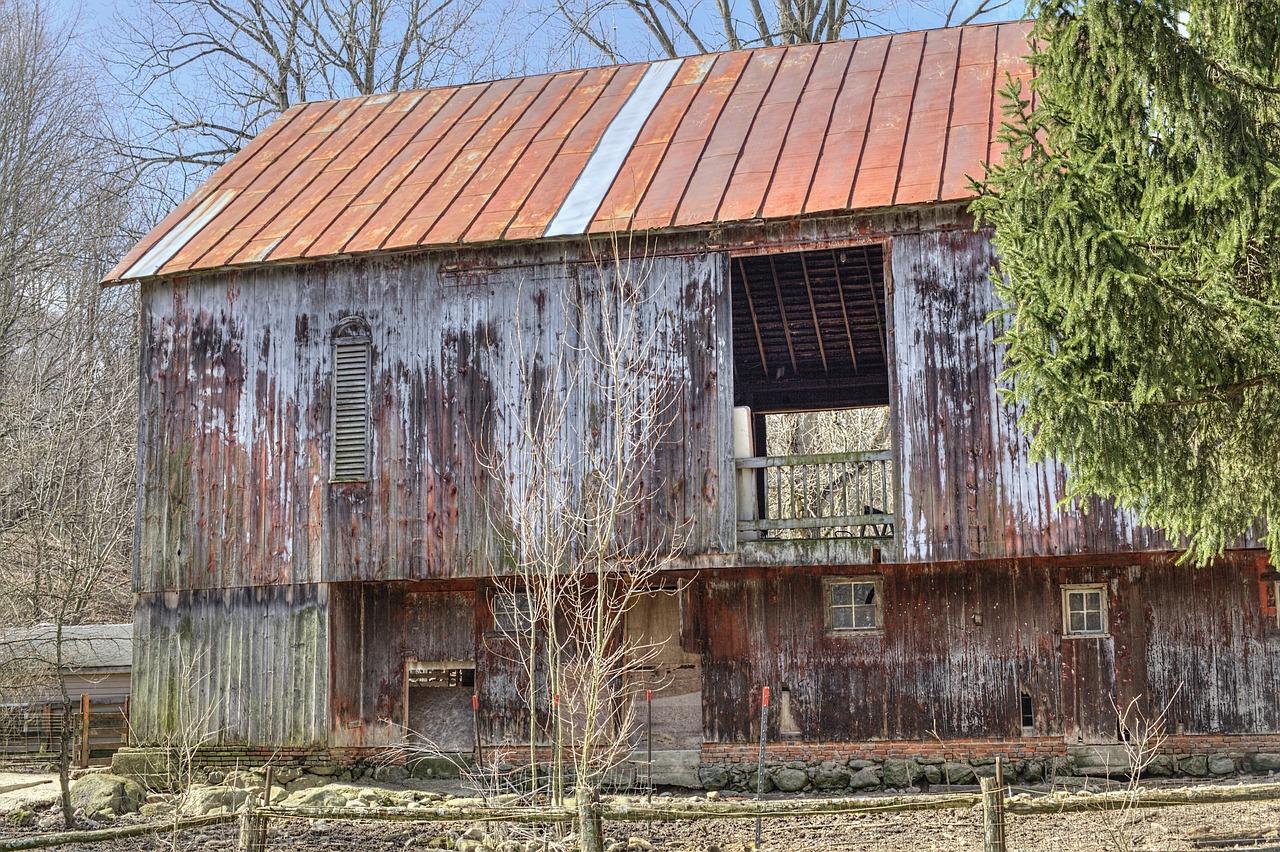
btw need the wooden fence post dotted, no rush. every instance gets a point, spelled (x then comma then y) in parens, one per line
(992, 815)
(84, 730)
(253, 823)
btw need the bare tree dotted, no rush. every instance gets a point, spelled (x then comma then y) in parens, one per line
(208, 75)
(678, 27)
(67, 380)
(589, 413)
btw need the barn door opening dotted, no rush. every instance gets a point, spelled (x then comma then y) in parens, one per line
(811, 392)
(438, 703)
(673, 674)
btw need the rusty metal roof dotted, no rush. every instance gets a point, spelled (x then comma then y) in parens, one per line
(768, 133)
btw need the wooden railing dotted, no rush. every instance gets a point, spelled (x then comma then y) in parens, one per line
(832, 495)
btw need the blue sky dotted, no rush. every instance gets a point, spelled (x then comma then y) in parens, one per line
(97, 19)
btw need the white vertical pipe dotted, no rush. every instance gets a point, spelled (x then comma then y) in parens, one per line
(744, 448)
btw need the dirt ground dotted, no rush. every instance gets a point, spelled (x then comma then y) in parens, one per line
(1186, 827)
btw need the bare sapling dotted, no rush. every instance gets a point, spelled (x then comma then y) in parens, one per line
(577, 511)
(1143, 739)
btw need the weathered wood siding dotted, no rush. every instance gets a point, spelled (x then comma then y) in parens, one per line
(376, 628)
(242, 666)
(234, 486)
(961, 640)
(969, 487)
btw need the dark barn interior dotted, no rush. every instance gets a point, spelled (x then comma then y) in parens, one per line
(810, 329)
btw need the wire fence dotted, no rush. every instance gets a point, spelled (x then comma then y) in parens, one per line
(31, 734)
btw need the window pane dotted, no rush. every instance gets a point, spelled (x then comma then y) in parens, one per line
(864, 593)
(841, 617)
(1093, 601)
(1075, 602)
(864, 617)
(1093, 622)
(841, 594)
(1076, 622)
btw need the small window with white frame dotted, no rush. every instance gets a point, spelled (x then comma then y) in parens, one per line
(1084, 610)
(853, 604)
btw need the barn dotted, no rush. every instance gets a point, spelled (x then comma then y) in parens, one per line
(332, 325)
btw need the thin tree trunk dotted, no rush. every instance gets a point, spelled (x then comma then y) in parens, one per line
(590, 830)
(64, 765)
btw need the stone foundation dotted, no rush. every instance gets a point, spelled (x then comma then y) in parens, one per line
(789, 766)
(896, 765)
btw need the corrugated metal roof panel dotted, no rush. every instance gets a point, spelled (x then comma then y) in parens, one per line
(766, 133)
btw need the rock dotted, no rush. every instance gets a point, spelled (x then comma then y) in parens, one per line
(20, 818)
(713, 776)
(468, 846)
(831, 776)
(713, 795)
(615, 846)
(320, 827)
(214, 777)
(1032, 771)
(1264, 762)
(391, 774)
(897, 773)
(325, 769)
(438, 767)
(1197, 765)
(287, 774)
(866, 778)
(790, 780)
(931, 772)
(205, 800)
(245, 779)
(749, 782)
(155, 809)
(856, 764)
(98, 794)
(475, 832)
(318, 797)
(954, 772)
(1220, 764)
(638, 844)
(1160, 766)
(306, 782)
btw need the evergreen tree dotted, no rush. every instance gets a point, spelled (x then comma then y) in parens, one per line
(1136, 212)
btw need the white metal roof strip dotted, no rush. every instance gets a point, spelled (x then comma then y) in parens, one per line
(160, 253)
(589, 190)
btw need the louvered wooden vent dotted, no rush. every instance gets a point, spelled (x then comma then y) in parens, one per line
(351, 410)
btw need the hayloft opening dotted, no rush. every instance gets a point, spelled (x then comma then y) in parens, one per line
(811, 392)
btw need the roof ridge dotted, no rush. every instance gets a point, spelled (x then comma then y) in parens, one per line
(551, 72)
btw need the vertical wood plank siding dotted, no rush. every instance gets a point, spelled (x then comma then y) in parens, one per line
(236, 415)
(376, 628)
(969, 487)
(246, 666)
(960, 642)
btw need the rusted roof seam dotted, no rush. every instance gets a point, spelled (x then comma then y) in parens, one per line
(906, 130)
